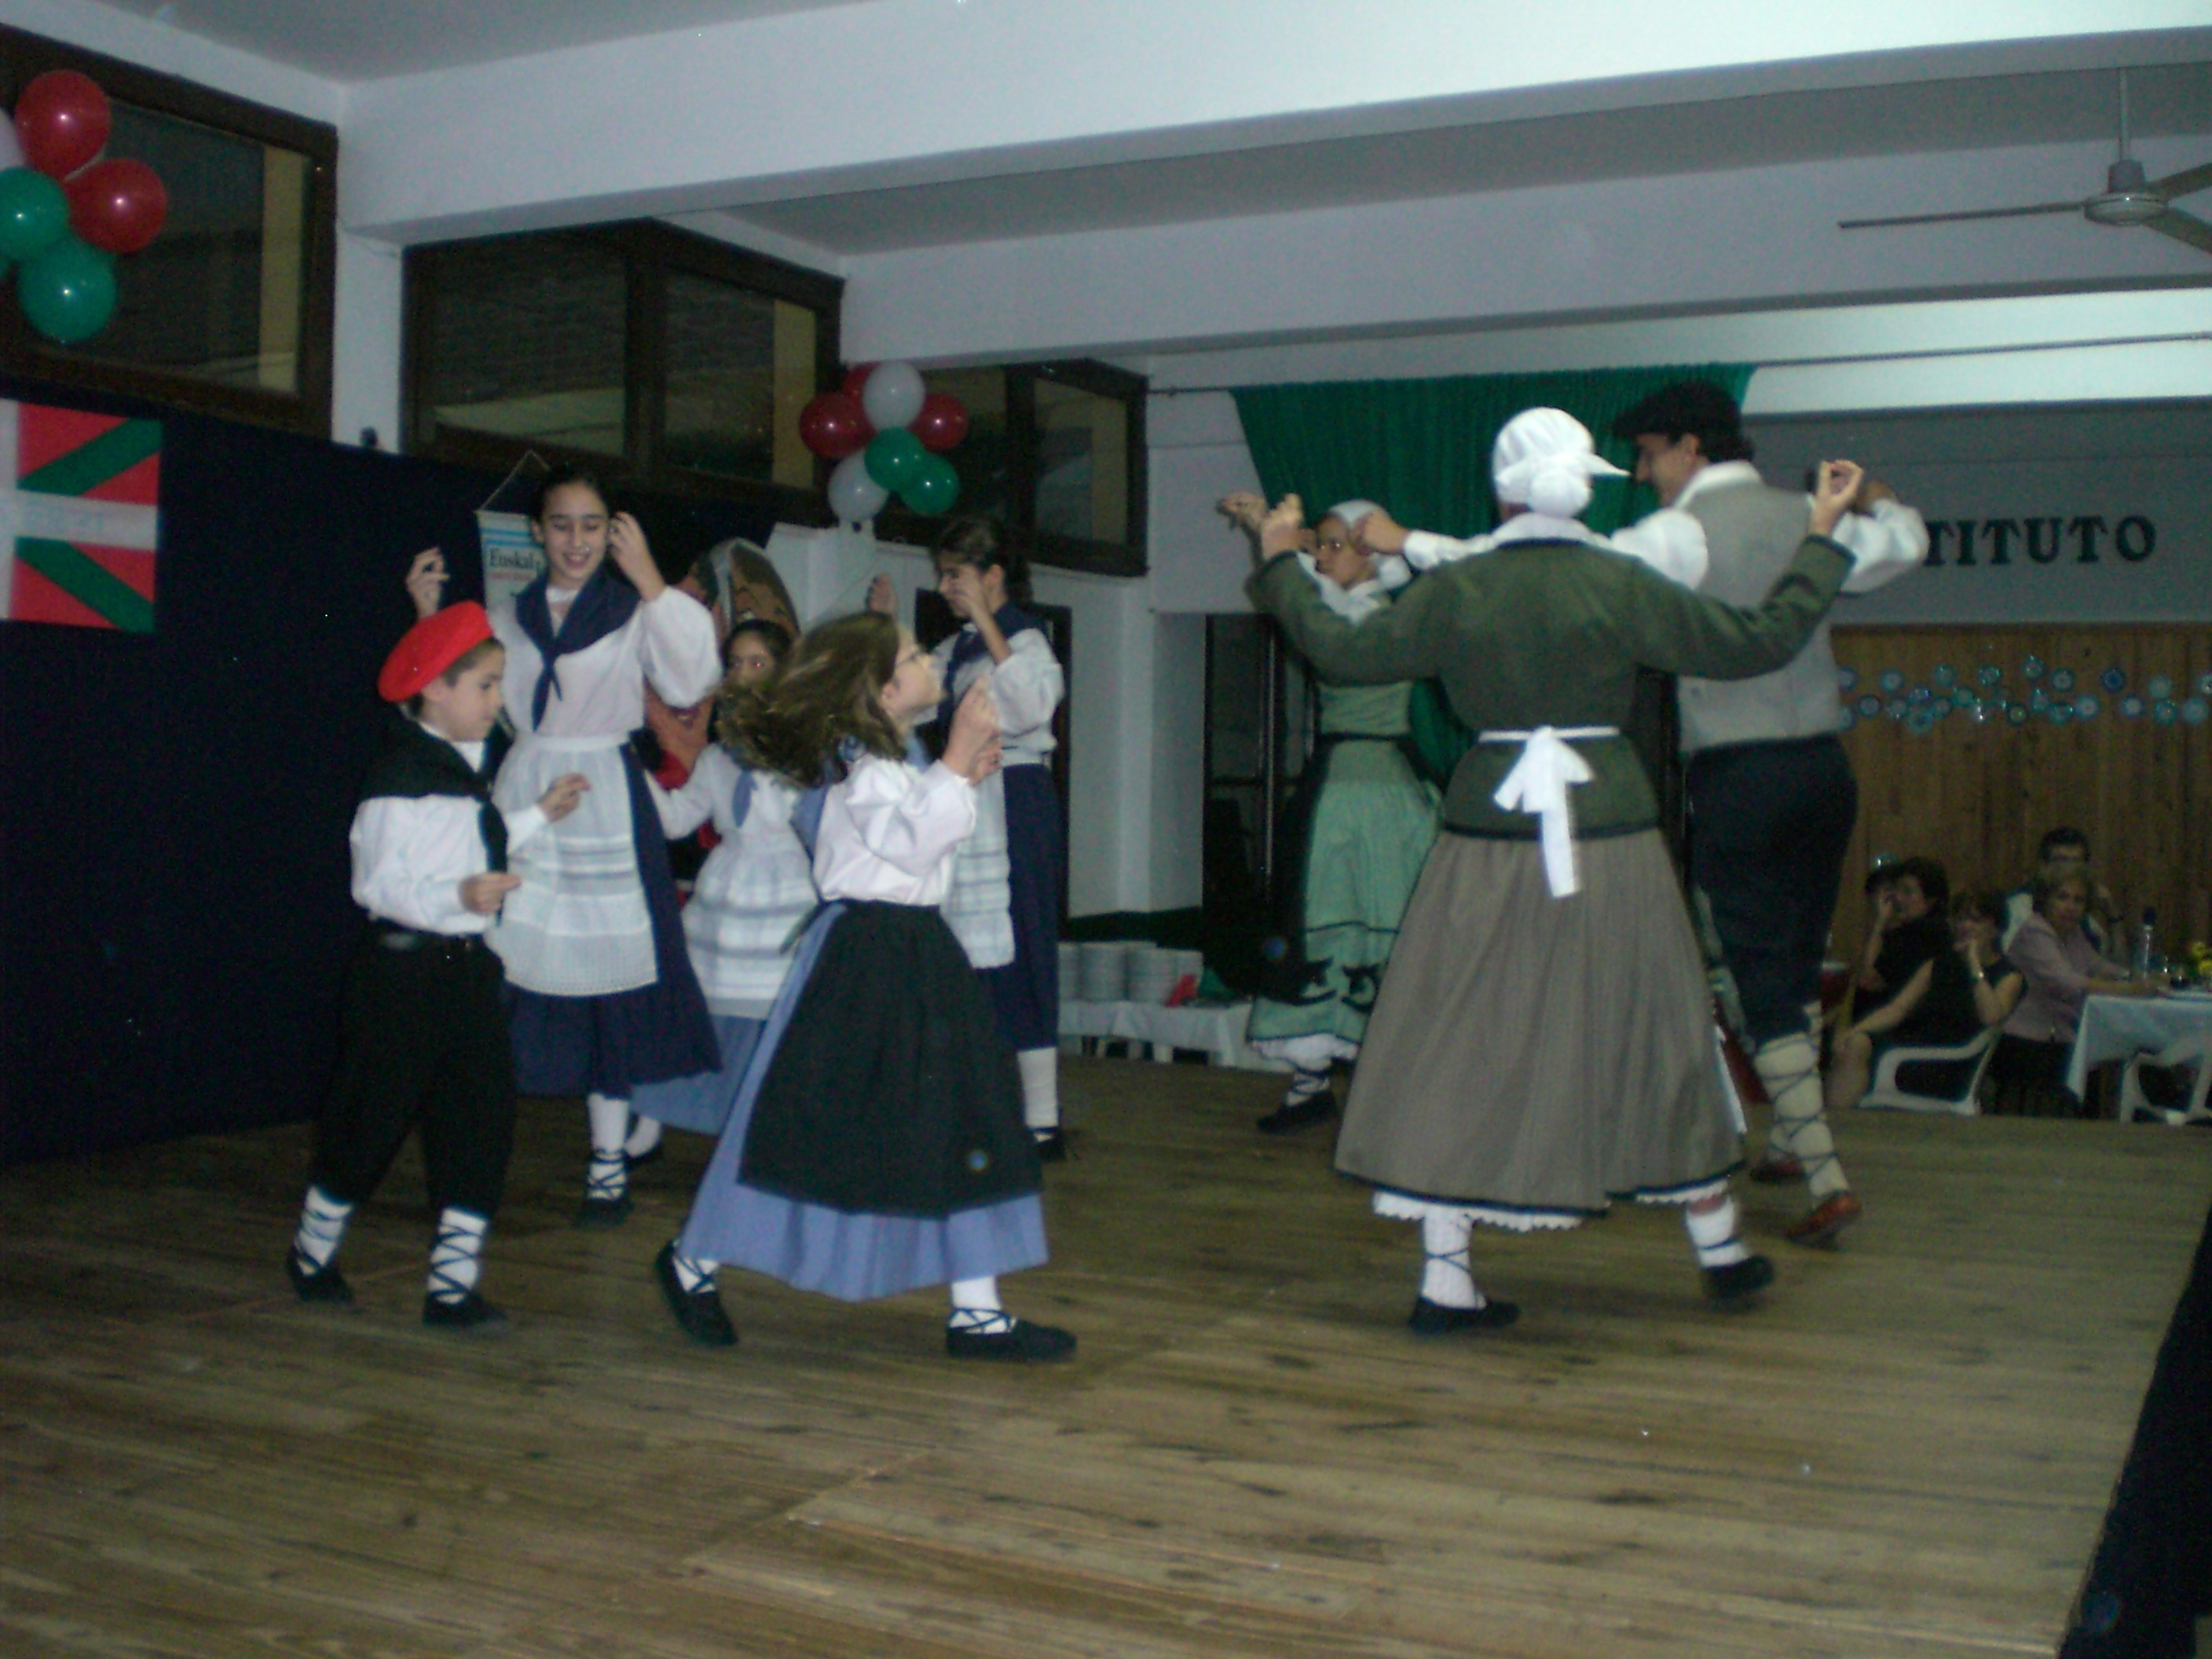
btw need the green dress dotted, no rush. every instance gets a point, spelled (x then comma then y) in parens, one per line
(1367, 824)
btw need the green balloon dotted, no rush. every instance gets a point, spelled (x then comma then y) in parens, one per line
(933, 489)
(34, 213)
(68, 291)
(893, 456)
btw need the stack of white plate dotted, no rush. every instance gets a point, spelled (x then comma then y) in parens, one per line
(1104, 975)
(1151, 973)
(1071, 973)
(1191, 965)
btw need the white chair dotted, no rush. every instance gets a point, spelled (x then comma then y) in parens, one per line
(1884, 1092)
(2196, 1050)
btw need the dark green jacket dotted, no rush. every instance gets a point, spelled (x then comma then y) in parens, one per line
(1552, 634)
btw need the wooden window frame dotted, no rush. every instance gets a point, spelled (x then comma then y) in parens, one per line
(23, 58)
(650, 252)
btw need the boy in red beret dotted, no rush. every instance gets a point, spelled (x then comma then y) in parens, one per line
(424, 1038)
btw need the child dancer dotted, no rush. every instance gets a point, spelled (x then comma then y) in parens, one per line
(601, 995)
(1358, 832)
(1004, 904)
(754, 894)
(424, 1039)
(876, 1144)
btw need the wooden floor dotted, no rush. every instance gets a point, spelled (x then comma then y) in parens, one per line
(1907, 1450)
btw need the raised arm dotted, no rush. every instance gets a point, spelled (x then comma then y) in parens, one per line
(910, 823)
(1885, 536)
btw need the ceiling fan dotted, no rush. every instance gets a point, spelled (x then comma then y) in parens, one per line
(2127, 199)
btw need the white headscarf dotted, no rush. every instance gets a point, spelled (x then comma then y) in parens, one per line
(1544, 460)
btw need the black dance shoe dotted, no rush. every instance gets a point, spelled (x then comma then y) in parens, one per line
(1739, 1281)
(600, 1215)
(1292, 1115)
(325, 1285)
(471, 1313)
(1434, 1319)
(698, 1312)
(1020, 1340)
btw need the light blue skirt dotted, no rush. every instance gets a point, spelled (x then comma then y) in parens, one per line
(852, 1255)
(701, 1103)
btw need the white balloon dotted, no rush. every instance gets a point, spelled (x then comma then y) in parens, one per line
(892, 396)
(11, 149)
(854, 496)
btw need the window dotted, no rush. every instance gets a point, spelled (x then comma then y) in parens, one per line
(230, 310)
(680, 361)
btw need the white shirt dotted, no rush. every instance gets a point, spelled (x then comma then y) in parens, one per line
(669, 641)
(410, 854)
(1884, 544)
(1025, 688)
(889, 832)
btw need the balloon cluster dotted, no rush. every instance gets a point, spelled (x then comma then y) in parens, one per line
(887, 435)
(65, 213)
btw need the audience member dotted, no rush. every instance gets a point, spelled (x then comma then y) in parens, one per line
(2062, 968)
(1949, 999)
(1905, 928)
(2067, 849)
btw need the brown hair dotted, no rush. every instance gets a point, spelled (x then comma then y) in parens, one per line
(981, 541)
(831, 688)
(478, 652)
(2041, 889)
(1979, 904)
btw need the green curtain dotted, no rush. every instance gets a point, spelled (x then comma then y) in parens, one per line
(1421, 449)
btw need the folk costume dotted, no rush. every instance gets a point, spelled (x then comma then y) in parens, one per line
(1542, 1044)
(1353, 841)
(602, 995)
(1772, 800)
(423, 1038)
(755, 895)
(875, 1142)
(1003, 906)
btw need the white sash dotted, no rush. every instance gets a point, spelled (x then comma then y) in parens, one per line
(1538, 785)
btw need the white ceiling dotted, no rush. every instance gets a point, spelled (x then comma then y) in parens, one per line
(1990, 112)
(349, 40)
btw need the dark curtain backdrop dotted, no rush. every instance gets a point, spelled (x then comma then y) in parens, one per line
(174, 918)
(1421, 449)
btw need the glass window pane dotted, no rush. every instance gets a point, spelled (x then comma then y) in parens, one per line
(1083, 463)
(981, 457)
(220, 294)
(740, 368)
(525, 338)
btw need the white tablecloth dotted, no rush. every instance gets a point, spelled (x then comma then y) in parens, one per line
(2117, 1028)
(1218, 1031)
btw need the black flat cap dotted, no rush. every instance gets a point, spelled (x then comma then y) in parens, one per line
(1697, 406)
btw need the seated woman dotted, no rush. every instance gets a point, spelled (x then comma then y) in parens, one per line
(1905, 926)
(1949, 999)
(2063, 968)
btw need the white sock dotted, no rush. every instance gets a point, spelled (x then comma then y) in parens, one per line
(1040, 1089)
(976, 1307)
(1448, 1277)
(643, 1137)
(322, 1225)
(457, 1254)
(1789, 1068)
(1714, 1236)
(692, 1273)
(609, 1176)
(1306, 1082)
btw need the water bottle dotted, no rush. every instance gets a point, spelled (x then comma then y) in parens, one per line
(2145, 952)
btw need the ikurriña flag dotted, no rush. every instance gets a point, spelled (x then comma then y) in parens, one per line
(80, 517)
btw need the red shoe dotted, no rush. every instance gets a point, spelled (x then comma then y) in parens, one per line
(1776, 1169)
(1826, 1219)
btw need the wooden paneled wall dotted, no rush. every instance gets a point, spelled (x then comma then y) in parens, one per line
(1978, 797)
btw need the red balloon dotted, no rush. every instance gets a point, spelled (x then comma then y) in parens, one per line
(118, 206)
(856, 379)
(942, 423)
(833, 425)
(62, 119)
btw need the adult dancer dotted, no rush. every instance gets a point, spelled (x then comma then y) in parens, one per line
(1542, 1043)
(1772, 795)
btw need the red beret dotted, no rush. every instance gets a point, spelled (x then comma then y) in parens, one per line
(430, 648)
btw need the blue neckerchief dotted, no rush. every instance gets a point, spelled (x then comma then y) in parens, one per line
(601, 606)
(968, 645)
(741, 799)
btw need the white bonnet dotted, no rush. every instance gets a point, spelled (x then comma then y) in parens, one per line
(1544, 460)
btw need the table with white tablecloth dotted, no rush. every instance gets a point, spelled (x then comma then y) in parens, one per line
(2119, 1028)
(1216, 1029)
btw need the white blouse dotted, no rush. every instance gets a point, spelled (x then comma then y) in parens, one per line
(410, 854)
(1025, 688)
(888, 831)
(669, 641)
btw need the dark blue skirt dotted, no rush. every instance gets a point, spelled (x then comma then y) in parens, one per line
(610, 1044)
(1026, 991)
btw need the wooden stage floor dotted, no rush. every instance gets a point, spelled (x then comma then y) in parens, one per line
(1907, 1450)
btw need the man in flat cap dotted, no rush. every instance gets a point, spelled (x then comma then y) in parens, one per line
(1772, 800)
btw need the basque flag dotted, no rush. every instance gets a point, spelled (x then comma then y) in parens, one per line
(80, 517)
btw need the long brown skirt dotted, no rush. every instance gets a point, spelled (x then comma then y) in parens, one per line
(1537, 1056)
